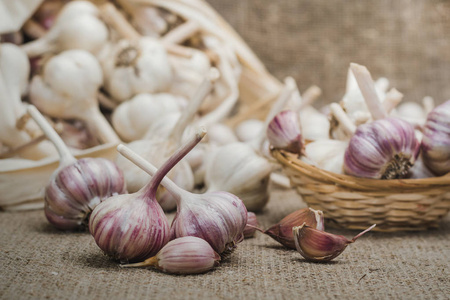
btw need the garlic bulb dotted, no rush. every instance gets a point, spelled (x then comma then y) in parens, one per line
(184, 255)
(217, 217)
(238, 169)
(133, 227)
(436, 139)
(382, 149)
(326, 155)
(14, 73)
(131, 119)
(411, 112)
(221, 134)
(68, 89)
(248, 129)
(77, 26)
(320, 246)
(314, 125)
(283, 132)
(282, 231)
(77, 186)
(134, 67)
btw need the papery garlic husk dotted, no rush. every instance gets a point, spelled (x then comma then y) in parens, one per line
(238, 169)
(134, 227)
(217, 217)
(184, 255)
(283, 132)
(252, 224)
(131, 119)
(320, 246)
(382, 149)
(77, 186)
(436, 140)
(326, 154)
(282, 231)
(136, 67)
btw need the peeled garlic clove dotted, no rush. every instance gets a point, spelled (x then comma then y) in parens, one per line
(284, 133)
(282, 232)
(436, 139)
(321, 246)
(382, 149)
(184, 255)
(252, 224)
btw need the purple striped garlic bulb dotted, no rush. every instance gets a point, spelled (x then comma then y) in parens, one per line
(134, 227)
(217, 217)
(436, 140)
(185, 255)
(382, 149)
(284, 133)
(77, 186)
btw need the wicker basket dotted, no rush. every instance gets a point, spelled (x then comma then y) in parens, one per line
(356, 203)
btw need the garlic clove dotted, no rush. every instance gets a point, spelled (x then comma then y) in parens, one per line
(252, 225)
(382, 149)
(184, 255)
(282, 231)
(284, 133)
(320, 246)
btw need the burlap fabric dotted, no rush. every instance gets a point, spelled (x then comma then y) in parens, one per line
(314, 41)
(39, 262)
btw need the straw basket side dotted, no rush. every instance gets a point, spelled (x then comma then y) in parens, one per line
(356, 203)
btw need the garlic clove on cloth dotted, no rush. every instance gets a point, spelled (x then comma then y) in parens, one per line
(184, 255)
(77, 186)
(320, 246)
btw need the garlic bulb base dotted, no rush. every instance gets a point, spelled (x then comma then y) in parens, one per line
(398, 167)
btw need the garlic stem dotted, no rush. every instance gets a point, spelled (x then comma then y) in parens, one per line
(66, 158)
(158, 175)
(115, 19)
(361, 233)
(106, 102)
(150, 262)
(393, 98)
(181, 33)
(343, 119)
(309, 96)
(33, 29)
(203, 90)
(37, 47)
(367, 87)
(99, 126)
(19, 149)
(428, 104)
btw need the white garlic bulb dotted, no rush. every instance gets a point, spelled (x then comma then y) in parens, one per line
(248, 129)
(326, 154)
(315, 125)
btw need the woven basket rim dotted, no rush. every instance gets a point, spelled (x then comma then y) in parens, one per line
(291, 160)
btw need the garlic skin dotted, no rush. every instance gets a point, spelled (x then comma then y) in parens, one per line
(282, 231)
(136, 67)
(238, 169)
(131, 119)
(184, 255)
(68, 89)
(320, 246)
(436, 140)
(249, 231)
(77, 186)
(77, 26)
(217, 217)
(326, 154)
(284, 133)
(382, 149)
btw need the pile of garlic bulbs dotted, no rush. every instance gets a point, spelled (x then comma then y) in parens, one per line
(370, 133)
(105, 72)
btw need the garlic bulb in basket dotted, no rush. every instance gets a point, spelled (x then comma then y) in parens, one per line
(436, 139)
(382, 149)
(68, 89)
(77, 26)
(77, 186)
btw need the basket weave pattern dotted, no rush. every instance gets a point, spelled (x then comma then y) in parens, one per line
(356, 203)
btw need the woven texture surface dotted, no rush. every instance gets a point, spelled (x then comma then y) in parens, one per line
(39, 262)
(314, 41)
